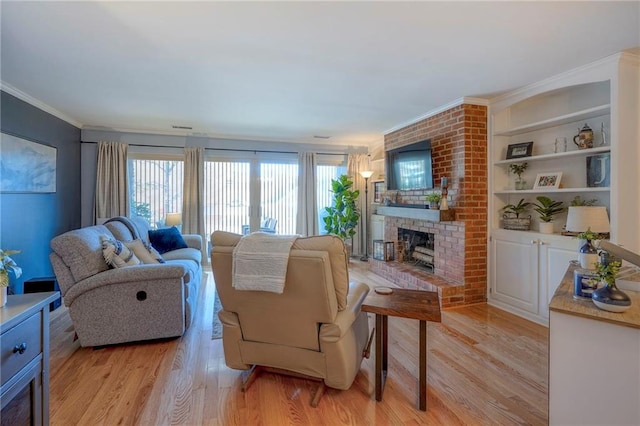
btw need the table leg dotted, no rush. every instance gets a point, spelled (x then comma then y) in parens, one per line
(381, 354)
(423, 366)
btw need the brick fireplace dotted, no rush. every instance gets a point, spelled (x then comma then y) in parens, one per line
(459, 149)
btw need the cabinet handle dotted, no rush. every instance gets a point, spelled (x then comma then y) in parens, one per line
(534, 241)
(21, 348)
(542, 242)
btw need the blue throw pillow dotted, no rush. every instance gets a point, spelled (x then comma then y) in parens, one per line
(166, 239)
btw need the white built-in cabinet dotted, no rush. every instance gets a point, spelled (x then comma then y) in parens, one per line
(525, 270)
(525, 267)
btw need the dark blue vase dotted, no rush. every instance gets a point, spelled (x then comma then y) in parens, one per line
(609, 298)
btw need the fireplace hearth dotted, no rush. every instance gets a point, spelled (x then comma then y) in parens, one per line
(416, 248)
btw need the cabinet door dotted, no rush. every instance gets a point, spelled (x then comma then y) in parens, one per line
(554, 260)
(514, 271)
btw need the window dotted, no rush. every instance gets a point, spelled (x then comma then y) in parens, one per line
(155, 188)
(325, 172)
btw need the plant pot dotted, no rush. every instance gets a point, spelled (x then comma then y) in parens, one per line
(609, 298)
(588, 255)
(521, 184)
(546, 227)
(434, 205)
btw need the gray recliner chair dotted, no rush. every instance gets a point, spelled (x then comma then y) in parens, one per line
(315, 328)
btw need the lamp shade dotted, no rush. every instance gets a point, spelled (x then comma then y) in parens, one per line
(581, 218)
(173, 219)
(366, 174)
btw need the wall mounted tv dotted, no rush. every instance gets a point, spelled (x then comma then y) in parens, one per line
(409, 167)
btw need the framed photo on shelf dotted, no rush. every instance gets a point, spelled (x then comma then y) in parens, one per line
(378, 190)
(519, 150)
(550, 180)
(599, 170)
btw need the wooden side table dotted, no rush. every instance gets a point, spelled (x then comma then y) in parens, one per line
(421, 305)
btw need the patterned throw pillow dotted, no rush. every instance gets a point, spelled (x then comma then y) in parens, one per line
(146, 254)
(116, 254)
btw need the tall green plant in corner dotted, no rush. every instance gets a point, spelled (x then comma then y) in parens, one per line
(342, 217)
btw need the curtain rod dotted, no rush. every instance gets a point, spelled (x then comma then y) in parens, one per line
(223, 149)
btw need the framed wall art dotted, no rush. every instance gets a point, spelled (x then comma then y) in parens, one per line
(519, 150)
(549, 180)
(26, 166)
(599, 170)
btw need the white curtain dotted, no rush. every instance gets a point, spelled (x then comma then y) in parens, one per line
(357, 163)
(307, 219)
(193, 194)
(112, 195)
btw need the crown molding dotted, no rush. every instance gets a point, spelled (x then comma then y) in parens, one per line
(600, 69)
(6, 87)
(460, 101)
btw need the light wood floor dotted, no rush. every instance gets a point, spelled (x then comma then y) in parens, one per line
(485, 366)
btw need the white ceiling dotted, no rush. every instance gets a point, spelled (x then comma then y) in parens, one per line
(289, 71)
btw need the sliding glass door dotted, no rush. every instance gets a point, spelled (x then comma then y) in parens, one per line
(240, 194)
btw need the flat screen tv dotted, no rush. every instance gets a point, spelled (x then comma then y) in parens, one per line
(409, 167)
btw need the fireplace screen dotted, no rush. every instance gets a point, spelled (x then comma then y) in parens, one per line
(416, 247)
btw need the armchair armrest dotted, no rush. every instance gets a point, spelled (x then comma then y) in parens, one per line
(125, 275)
(345, 318)
(193, 240)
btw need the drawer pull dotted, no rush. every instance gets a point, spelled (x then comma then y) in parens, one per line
(21, 348)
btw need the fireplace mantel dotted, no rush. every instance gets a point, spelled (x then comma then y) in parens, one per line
(422, 214)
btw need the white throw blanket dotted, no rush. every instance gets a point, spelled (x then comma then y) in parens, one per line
(260, 262)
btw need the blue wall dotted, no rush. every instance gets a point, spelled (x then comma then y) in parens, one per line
(28, 222)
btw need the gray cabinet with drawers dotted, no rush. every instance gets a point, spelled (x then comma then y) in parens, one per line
(24, 359)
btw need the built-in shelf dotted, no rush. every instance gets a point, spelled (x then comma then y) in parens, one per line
(543, 191)
(584, 114)
(543, 157)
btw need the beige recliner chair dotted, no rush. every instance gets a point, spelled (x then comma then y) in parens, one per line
(315, 328)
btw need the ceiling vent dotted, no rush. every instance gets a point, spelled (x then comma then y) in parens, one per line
(321, 137)
(182, 127)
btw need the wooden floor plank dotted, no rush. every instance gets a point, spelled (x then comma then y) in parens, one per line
(485, 366)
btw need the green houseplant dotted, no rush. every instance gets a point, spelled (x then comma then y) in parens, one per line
(342, 217)
(518, 169)
(516, 223)
(609, 297)
(587, 253)
(547, 209)
(7, 264)
(434, 199)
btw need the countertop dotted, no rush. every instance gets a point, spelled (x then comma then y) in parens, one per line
(564, 302)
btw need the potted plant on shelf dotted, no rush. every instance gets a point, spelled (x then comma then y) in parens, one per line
(587, 253)
(434, 200)
(547, 209)
(342, 217)
(609, 297)
(511, 218)
(7, 264)
(518, 169)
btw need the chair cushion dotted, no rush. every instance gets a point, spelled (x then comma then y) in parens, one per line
(166, 239)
